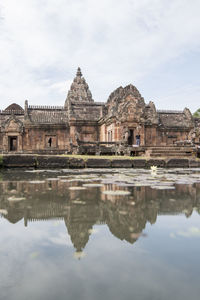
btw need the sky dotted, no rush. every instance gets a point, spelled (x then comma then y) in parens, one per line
(153, 44)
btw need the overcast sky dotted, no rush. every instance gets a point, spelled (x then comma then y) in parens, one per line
(153, 44)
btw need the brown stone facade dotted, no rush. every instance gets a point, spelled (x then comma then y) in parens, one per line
(125, 122)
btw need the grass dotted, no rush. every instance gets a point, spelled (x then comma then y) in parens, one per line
(111, 157)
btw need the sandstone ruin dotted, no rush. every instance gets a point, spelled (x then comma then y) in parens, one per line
(125, 124)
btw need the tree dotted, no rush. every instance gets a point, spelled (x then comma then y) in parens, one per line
(196, 114)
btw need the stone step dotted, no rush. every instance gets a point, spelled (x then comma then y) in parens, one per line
(170, 148)
(170, 154)
(172, 151)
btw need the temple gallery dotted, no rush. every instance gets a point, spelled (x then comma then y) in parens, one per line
(82, 126)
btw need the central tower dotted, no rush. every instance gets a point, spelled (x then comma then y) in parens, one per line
(79, 90)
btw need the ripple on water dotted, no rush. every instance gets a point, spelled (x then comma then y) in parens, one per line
(93, 185)
(117, 193)
(16, 199)
(77, 188)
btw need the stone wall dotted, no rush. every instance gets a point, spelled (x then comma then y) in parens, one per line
(46, 137)
(119, 120)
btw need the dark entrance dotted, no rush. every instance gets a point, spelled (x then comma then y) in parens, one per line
(50, 142)
(131, 137)
(12, 143)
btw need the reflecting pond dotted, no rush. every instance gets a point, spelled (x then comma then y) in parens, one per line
(100, 234)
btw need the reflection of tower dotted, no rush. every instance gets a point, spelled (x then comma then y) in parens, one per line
(79, 233)
(79, 222)
(124, 221)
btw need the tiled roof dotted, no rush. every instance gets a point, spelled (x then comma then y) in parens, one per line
(86, 111)
(48, 116)
(13, 107)
(173, 119)
(170, 111)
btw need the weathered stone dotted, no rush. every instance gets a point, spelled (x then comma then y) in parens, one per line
(45, 161)
(98, 163)
(122, 163)
(139, 163)
(49, 161)
(76, 163)
(194, 163)
(79, 90)
(82, 125)
(11, 161)
(156, 162)
(177, 163)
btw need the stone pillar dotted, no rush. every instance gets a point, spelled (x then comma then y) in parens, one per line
(19, 143)
(5, 143)
(142, 136)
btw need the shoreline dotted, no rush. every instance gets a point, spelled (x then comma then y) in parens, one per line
(81, 161)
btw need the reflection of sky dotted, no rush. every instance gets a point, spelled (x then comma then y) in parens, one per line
(38, 263)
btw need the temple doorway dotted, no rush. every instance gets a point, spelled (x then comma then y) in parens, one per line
(131, 137)
(13, 143)
(50, 142)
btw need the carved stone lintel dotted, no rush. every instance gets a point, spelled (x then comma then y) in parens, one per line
(12, 124)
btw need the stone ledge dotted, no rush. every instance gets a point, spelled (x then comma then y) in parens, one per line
(122, 163)
(98, 163)
(52, 161)
(160, 163)
(139, 163)
(194, 163)
(76, 163)
(177, 163)
(13, 161)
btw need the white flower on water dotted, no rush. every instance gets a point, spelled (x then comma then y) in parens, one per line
(153, 170)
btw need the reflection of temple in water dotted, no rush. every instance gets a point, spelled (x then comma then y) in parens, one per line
(126, 217)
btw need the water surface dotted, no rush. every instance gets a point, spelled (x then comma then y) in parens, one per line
(97, 234)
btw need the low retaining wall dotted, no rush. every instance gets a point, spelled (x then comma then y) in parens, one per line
(45, 162)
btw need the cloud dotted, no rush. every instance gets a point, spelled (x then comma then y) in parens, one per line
(61, 239)
(115, 43)
(190, 232)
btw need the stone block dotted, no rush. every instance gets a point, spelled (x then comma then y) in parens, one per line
(45, 161)
(161, 163)
(76, 163)
(177, 163)
(194, 163)
(21, 161)
(139, 163)
(122, 163)
(98, 163)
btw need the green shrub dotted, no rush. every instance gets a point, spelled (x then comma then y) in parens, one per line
(197, 113)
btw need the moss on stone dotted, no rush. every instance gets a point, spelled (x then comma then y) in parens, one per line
(110, 157)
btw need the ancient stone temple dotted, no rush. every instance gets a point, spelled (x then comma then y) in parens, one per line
(120, 126)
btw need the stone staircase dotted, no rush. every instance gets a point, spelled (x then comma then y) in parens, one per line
(170, 151)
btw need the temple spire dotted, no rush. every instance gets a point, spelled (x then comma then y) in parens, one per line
(79, 90)
(78, 73)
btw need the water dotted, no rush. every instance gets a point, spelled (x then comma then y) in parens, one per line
(61, 242)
